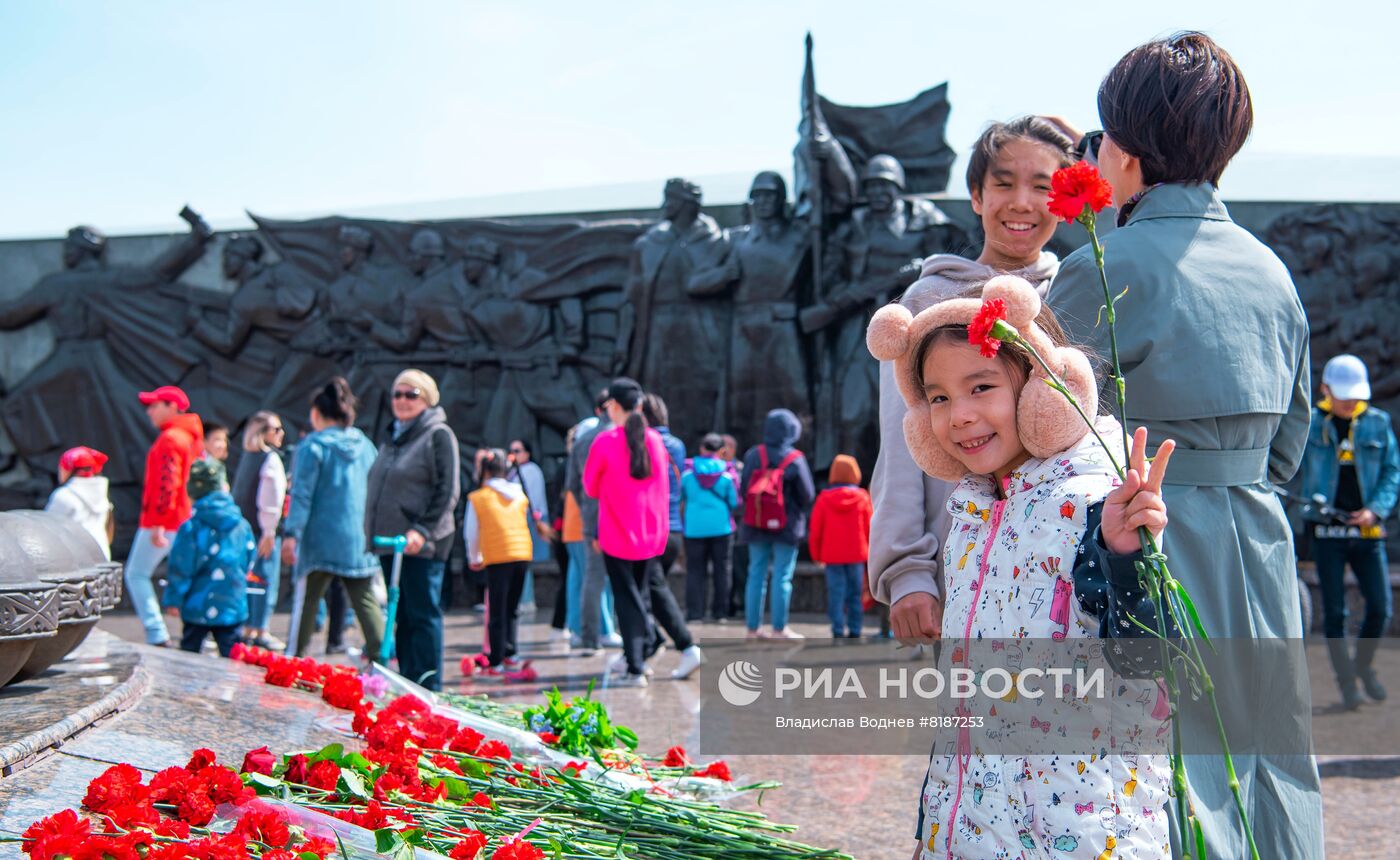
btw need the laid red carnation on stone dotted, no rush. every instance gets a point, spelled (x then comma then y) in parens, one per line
(343, 691)
(520, 850)
(676, 757)
(260, 760)
(494, 749)
(469, 845)
(266, 825)
(717, 770)
(119, 785)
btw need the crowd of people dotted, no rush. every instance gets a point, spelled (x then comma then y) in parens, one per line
(967, 444)
(634, 501)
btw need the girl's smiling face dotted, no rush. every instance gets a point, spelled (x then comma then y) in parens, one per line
(972, 406)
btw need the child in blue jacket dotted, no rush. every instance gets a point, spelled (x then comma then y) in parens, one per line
(709, 495)
(209, 563)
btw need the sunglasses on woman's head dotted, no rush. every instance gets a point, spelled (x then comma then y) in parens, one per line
(411, 394)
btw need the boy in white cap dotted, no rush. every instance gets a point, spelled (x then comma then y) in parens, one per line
(1352, 463)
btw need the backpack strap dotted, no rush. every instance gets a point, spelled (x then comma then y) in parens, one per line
(762, 457)
(789, 460)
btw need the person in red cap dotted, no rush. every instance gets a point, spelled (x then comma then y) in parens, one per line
(81, 494)
(164, 503)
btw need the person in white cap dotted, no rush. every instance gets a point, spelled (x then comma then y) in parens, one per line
(1353, 465)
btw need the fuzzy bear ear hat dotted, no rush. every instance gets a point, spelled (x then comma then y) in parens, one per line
(1045, 420)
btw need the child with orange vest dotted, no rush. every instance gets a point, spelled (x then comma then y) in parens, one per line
(840, 543)
(498, 541)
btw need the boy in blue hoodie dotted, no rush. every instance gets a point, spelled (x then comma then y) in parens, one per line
(209, 563)
(710, 497)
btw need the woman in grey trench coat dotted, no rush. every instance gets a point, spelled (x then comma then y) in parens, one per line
(1214, 347)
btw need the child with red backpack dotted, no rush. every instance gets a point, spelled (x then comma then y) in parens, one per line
(777, 489)
(840, 543)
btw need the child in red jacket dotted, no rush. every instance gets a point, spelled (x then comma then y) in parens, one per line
(840, 542)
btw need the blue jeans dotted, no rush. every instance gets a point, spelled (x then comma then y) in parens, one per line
(843, 598)
(269, 573)
(1368, 564)
(595, 598)
(418, 620)
(784, 559)
(141, 564)
(573, 585)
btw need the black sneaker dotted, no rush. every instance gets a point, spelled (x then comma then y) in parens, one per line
(338, 648)
(1372, 685)
(1351, 697)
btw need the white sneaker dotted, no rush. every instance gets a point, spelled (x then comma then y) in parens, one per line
(612, 640)
(691, 658)
(787, 633)
(557, 636)
(630, 680)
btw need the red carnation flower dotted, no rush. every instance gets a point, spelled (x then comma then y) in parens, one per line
(264, 825)
(324, 775)
(575, 768)
(170, 785)
(979, 331)
(282, 673)
(481, 800)
(317, 846)
(364, 720)
(675, 757)
(549, 737)
(132, 816)
(196, 808)
(494, 749)
(260, 760)
(200, 759)
(58, 835)
(519, 850)
(228, 846)
(1076, 188)
(468, 741)
(447, 762)
(119, 785)
(469, 845)
(717, 770)
(222, 785)
(386, 784)
(408, 706)
(343, 691)
(278, 854)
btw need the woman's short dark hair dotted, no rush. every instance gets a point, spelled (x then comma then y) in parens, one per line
(712, 443)
(336, 402)
(1033, 128)
(1180, 106)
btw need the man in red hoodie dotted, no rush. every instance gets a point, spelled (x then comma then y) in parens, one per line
(840, 542)
(164, 503)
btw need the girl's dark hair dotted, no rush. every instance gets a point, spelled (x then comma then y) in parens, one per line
(493, 465)
(211, 427)
(711, 443)
(1033, 128)
(636, 432)
(525, 443)
(336, 402)
(654, 408)
(1179, 105)
(1014, 355)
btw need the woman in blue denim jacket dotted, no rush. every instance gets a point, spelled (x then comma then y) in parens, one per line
(325, 527)
(1352, 463)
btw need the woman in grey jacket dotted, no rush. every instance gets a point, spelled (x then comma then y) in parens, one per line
(1008, 178)
(413, 490)
(1214, 347)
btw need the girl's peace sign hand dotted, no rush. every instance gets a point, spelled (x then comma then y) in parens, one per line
(1137, 503)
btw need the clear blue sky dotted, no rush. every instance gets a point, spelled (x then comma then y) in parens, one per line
(115, 114)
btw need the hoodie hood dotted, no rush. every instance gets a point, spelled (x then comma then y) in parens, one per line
(509, 489)
(781, 430)
(343, 442)
(91, 492)
(946, 276)
(844, 470)
(846, 498)
(708, 470)
(218, 511)
(188, 423)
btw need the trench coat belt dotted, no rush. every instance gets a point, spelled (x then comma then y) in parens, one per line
(1196, 468)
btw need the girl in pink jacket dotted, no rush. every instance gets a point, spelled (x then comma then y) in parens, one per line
(626, 473)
